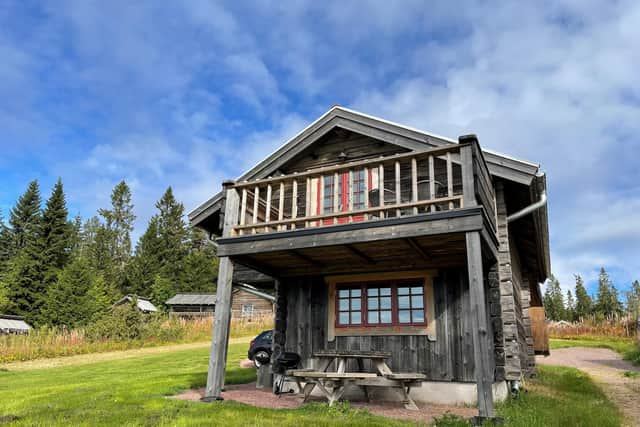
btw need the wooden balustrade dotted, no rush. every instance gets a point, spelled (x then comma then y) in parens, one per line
(404, 184)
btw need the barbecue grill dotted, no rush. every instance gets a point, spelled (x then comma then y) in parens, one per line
(287, 360)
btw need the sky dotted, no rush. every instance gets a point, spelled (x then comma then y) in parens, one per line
(188, 94)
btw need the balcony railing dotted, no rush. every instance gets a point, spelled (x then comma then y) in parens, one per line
(434, 180)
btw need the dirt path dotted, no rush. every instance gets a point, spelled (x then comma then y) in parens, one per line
(607, 368)
(84, 359)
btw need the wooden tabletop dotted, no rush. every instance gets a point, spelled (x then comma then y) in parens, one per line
(355, 354)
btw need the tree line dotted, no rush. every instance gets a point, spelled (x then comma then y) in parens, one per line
(579, 305)
(62, 271)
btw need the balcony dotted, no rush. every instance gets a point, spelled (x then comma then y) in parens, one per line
(444, 190)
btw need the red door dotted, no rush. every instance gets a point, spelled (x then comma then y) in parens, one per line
(343, 196)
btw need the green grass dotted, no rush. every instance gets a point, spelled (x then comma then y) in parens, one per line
(627, 347)
(133, 392)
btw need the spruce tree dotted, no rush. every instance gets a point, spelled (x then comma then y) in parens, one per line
(6, 245)
(119, 221)
(68, 303)
(173, 234)
(26, 290)
(584, 304)
(571, 307)
(56, 232)
(25, 219)
(607, 302)
(146, 263)
(553, 300)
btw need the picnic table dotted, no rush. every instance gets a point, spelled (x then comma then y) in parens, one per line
(332, 383)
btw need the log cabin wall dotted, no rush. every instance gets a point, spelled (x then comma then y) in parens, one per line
(449, 358)
(241, 298)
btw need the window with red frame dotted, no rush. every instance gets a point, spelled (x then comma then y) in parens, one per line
(374, 304)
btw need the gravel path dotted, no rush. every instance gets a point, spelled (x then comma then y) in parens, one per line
(607, 368)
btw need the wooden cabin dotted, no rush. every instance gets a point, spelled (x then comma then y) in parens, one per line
(144, 304)
(14, 325)
(381, 237)
(246, 303)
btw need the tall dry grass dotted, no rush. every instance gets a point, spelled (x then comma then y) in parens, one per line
(623, 328)
(55, 342)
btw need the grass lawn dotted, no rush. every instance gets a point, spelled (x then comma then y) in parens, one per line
(627, 347)
(132, 392)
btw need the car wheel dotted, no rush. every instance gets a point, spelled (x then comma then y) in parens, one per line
(261, 357)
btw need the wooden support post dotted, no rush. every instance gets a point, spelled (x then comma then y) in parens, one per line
(381, 189)
(243, 209)
(482, 351)
(350, 195)
(222, 316)
(466, 166)
(414, 183)
(321, 196)
(307, 207)
(432, 184)
(366, 190)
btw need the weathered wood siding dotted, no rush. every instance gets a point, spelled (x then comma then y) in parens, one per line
(241, 297)
(449, 358)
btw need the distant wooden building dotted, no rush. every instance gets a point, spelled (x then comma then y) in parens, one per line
(144, 304)
(247, 302)
(13, 325)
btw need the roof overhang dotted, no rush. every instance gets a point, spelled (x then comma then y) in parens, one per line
(206, 215)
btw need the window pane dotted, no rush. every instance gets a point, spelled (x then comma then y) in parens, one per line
(355, 292)
(385, 317)
(403, 290)
(417, 301)
(344, 318)
(385, 291)
(372, 292)
(417, 290)
(344, 304)
(403, 302)
(385, 302)
(404, 316)
(373, 317)
(418, 316)
(343, 293)
(355, 304)
(372, 303)
(355, 317)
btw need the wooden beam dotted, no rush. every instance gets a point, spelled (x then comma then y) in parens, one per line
(307, 258)
(357, 252)
(419, 249)
(222, 316)
(482, 351)
(468, 187)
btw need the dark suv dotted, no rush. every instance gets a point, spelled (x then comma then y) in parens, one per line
(260, 348)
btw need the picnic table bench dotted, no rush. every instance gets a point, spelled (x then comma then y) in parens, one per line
(333, 383)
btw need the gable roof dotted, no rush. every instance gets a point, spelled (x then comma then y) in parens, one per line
(192, 299)
(9, 323)
(500, 165)
(143, 304)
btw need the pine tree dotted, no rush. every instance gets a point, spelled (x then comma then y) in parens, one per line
(584, 304)
(570, 311)
(25, 219)
(68, 303)
(56, 232)
(553, 300)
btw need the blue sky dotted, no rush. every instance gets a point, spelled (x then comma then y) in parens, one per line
(189, 93)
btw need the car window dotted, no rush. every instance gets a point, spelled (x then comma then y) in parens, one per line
(267, 335)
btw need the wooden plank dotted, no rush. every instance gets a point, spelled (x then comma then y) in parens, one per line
(432, 183)
(307, 258)
(281, 205)
(267, 213)
(307, 205)
(350, 195)
(398, 187)
(222, 316)
(419, 249)
(321, 195)
(243, 208)
(366, 191)
(256, 199)
(480, 327)
(450, 179)
(336, 196)
(357, 252)
(294, 203)
(414, 182)
(381, 185)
